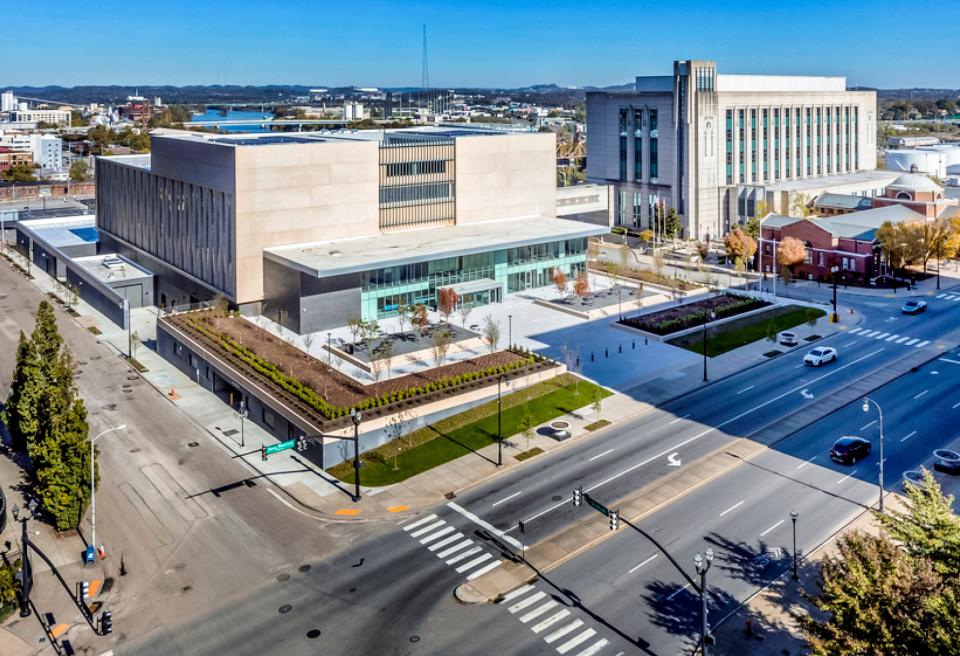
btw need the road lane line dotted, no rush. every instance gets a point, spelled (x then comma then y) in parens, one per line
(806, 462)
(907, 437)
(595, 648)
(732, 508)
(866, 426)
(922, 344)
(950, 361)
(550, 621)
(600, 455)
(519, 592)
(881, 336)
(854, 331)
(678, 419)
(419, 522)
(505, 499)
(466, 554)
(562, 631)
(667, 451)
(445, 541)
(870, 333)
(454, 549)
(920, 394)
(677, 591)
(912, 341)
(772, 527)
(891, 338)
(902, 340)
(529, 601)
(427, 529)
(483, 570)
(479, 522)
(847, 345)
(955, 406)
(538, 611)
(745, 389)
(846, 477)
(438, 534)
(636, 567)
(577, 640)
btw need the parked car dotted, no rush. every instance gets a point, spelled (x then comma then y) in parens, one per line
(788, 339)
(820, 355)
(850, 449)
(914, 307)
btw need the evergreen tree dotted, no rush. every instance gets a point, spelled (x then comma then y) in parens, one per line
(20, 411)
(46, 337)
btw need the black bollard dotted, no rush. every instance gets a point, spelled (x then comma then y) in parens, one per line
(591, 356)
(123, 567)
(606, 352)
(619, 348)
(633, 344)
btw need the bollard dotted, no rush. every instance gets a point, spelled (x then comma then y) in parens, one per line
(619, 348)
(633, 344)
(606, 352)
(591, 356)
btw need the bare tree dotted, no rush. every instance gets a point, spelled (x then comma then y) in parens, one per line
(308, 341)
(527, 424)
(464, 311)
(135, 342)
(404, 314)
(419, 318)
(441, 344)
(560, 281)
(385, 354)
(597, 404)
(354, 323)
(491, 332)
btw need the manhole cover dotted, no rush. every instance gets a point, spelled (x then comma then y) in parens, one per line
(110, 406)
(231, 432)
(286, 608)
(352, 590)
(304, 568)
(557, 497)
(414, 638)
(282, 577)
(186, 588)
(313, 633)
(193, 445)
(179, 566)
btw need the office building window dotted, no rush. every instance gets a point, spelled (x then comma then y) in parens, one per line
(623, 144)
(729, 145)
(637, 208)
(654, 162)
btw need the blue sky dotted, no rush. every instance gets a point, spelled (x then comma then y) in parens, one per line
(491, 43)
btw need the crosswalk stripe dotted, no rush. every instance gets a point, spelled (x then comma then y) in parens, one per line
(466, 554)
(892, 337)
(550, 621)
(923, 343)
(419, 522)
(455, 548)
(538, 611)
(854, 331)
(940, 296)
(519, 592)
(529, 601)
(594, 648)
(473, 563)
(576, 640)
(912, 342)
(870, 333)
(428, 528)
(562, 631)
(483, 570)
(881, 336)
(902, 340)
(437, 534)
(445, 541)
(950, 297)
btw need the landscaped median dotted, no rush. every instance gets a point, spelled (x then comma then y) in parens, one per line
(747, 330)
(474, 429)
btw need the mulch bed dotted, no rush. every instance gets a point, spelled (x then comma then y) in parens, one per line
(671, 320)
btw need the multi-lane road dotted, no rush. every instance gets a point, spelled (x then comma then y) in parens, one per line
(390, 592)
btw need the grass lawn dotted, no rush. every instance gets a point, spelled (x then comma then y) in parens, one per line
(462, 434)
(747, 330)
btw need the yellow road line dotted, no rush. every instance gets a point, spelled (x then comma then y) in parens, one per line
(59, 630)
(398, 508)
(94, 588)
(348, 511)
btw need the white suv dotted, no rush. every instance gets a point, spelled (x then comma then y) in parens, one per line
(820, 355)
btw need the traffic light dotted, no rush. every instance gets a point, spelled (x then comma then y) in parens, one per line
(106, 623)
(577, 497)
(614, 520)
(263, 453)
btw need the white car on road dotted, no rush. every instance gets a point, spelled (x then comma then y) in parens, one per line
(820, 355)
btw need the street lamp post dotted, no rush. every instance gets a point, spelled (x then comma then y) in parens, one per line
(510, 330)
(243, 415)
(833, 317)
(866, 408)
(703, 566)
(26, 572)
(938, 263)
(793, 516)
(93, 498)
(355, 417)
(707, 316)
(619, 304)
(499, 425)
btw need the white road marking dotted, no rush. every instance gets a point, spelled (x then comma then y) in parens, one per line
(479, 522)
(667, 451)
(437, 534)
(940, 296)
(677, 591)
(529, 601)
(600, 455)
(950, 361)
(772, 527)
(881, 336)
(892, 337)
(922, 344)
(466, 554)
(519, 592)
(447, 540)
(636, 567)
(562, 631)
(505, 499)
(577, 640)
(745, 389)
(678, 419)
(800, 365)
(871, 333)
(419, 522)
(955, 406)
(806, 462)
(854, 331)
(732, 508)
(846, 477)
(920, 394)
(912, 341)
(427, 529)
(473, 563)
(594, 648)
(550, 621)
(483, 570)
(538, 611)
(909, 436)
(847, 345)
(454, 549)
(866, 426)
(902, 340)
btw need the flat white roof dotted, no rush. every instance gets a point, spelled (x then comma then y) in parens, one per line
(62, 231)
(111, 267)
(357, 254)
(824, 181)
(784, 83)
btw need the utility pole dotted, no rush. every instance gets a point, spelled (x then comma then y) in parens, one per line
(499, 425)
(834, 318)
(702, 566)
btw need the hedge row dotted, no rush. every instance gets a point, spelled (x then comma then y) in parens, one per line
(331, 411)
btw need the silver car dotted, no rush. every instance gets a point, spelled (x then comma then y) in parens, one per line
(820, 355)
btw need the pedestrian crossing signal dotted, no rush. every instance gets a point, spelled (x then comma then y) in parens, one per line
(577, 497)
(614, 520)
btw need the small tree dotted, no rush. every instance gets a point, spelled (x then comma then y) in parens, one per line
(385, 354)
(135, 342)
(491, 333)
(703, 251)
(419, 318)
(527, 424)
(597, 404)
(646, 235)
(221, 307)
(441, 344)
(771, 330)
(355, 325)
(464, 311)
(447, 299)
(308, 341)
(752, 227)
(624, 255)
(404, 313)
(560, 281)
(671, 224)
(812, 316)
(658, 264)
(740, 247)
(79, 170)
(581, 286)
(790, 253)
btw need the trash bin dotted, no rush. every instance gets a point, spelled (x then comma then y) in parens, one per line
(89, 555)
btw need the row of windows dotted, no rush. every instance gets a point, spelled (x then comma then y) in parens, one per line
(416, 193)
(638, 144)
(416, 168)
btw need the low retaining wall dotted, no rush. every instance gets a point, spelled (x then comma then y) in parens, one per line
(421, 355)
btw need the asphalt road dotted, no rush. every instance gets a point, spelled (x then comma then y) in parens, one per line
(390, 592)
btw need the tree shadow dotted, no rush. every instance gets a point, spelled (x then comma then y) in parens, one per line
(466, 447)
(677, 610)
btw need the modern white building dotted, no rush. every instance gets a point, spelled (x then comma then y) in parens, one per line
(941, 160)
(47, 149)
(8, 101)
(709, 145)
(54, 116)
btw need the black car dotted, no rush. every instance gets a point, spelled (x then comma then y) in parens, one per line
(850, 449)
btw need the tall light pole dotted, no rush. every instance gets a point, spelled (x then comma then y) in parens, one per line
(243, 415)
(619, 304)
(26, 572)
(510, 330)
(93, 498)
(794, 515)
(702, 566)
(499, 425)
(833, 317)
(355, 417)
(866, 408)
(707, 316)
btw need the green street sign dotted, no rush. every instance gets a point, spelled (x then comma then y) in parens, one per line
(596, 505)
(281, 446)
